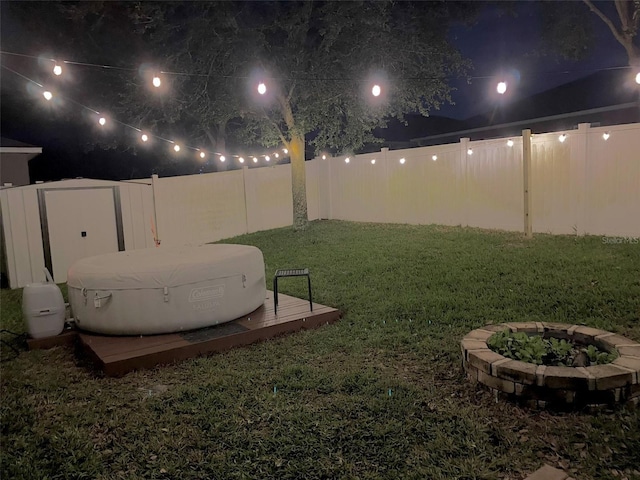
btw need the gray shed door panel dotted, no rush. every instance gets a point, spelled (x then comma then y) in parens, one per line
(81, 223)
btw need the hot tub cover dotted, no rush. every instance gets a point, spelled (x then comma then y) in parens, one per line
(164, 290)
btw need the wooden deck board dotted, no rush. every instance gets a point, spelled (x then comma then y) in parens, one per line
(117, 356)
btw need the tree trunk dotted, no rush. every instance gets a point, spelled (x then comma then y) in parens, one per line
(298, 182)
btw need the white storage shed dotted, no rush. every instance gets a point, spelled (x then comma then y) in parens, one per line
(54, 224)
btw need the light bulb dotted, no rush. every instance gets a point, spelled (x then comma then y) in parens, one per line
(262, 89)
(324, 157)
(347, 160)
(222, 158)
(48, 95)
(562, 137)
(285, 151)
(501, 88)
(157, 82)
(176, 147)
(638, 78)
(241, 160)
(509, 143)
(267, 158)
(276, 155)
(434, 157)
(144, 137)
(202, 154)
(605, 136)
(373, 161)
(470, 152)
(375, 91)
(57, 70)
(102, 121)
(255, 160)
(402, 160)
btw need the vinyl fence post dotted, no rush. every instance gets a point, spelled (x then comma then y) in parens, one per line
(526, 171)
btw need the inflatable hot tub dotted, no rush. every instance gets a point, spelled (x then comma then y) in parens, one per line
(163, 290)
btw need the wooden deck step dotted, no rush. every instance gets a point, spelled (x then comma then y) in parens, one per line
(117, 356)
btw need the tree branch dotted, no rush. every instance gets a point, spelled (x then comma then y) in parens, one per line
(608, 22)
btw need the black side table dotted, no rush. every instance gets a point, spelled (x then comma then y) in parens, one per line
(290, 272)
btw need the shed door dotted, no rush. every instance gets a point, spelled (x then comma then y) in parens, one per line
(81, 223)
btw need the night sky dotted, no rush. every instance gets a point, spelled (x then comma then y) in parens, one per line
(497, 44)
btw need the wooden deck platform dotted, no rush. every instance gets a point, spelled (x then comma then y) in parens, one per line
(117, 356)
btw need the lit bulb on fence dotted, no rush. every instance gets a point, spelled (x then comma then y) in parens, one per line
(373, 161)
(285, 151)
(347, 160)
(255, 160)
(102, 121)
(605, 136)
(434, 157)
(276, 155)
(509, 143)
(267, 158)
(562, 138)
(470, 152)
(402, 160)
(241, 160)
(324, 157)
(48, 95)
(638, 78)
(222, 158)
(57, 70)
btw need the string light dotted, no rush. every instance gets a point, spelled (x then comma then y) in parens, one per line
(509, 143)
(156, 81)
(222, 158)
(276, 155)
(470, 151)
(144, 137)
(102, 121)
(402, 160)
(375, 91)
(373, 161)
(241, 160)
(255, 160)
(605, 136)
(324, 157)
(57, 69)
(47, 94)
(347, 160)
(562, 137)
(267, 158)
(176, 147)
(202, 154)
(501, 88)
(262, 89)
(285, 151)
(434, 157)
(638, 78)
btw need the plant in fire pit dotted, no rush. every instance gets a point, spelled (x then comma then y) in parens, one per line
(541, 351)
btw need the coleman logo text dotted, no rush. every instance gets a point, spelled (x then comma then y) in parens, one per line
(201, 294)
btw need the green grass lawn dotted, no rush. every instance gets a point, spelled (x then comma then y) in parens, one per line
(379, 394)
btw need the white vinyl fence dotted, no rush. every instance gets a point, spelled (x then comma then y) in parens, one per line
(588, 184)
(584, 185)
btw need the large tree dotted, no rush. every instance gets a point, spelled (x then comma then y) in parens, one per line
(318, 60)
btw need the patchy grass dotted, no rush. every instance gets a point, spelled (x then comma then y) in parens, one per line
(379, 394)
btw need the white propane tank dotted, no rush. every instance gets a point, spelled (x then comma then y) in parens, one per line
(43, 308)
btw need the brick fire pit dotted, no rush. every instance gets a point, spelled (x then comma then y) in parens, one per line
(564, 387)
